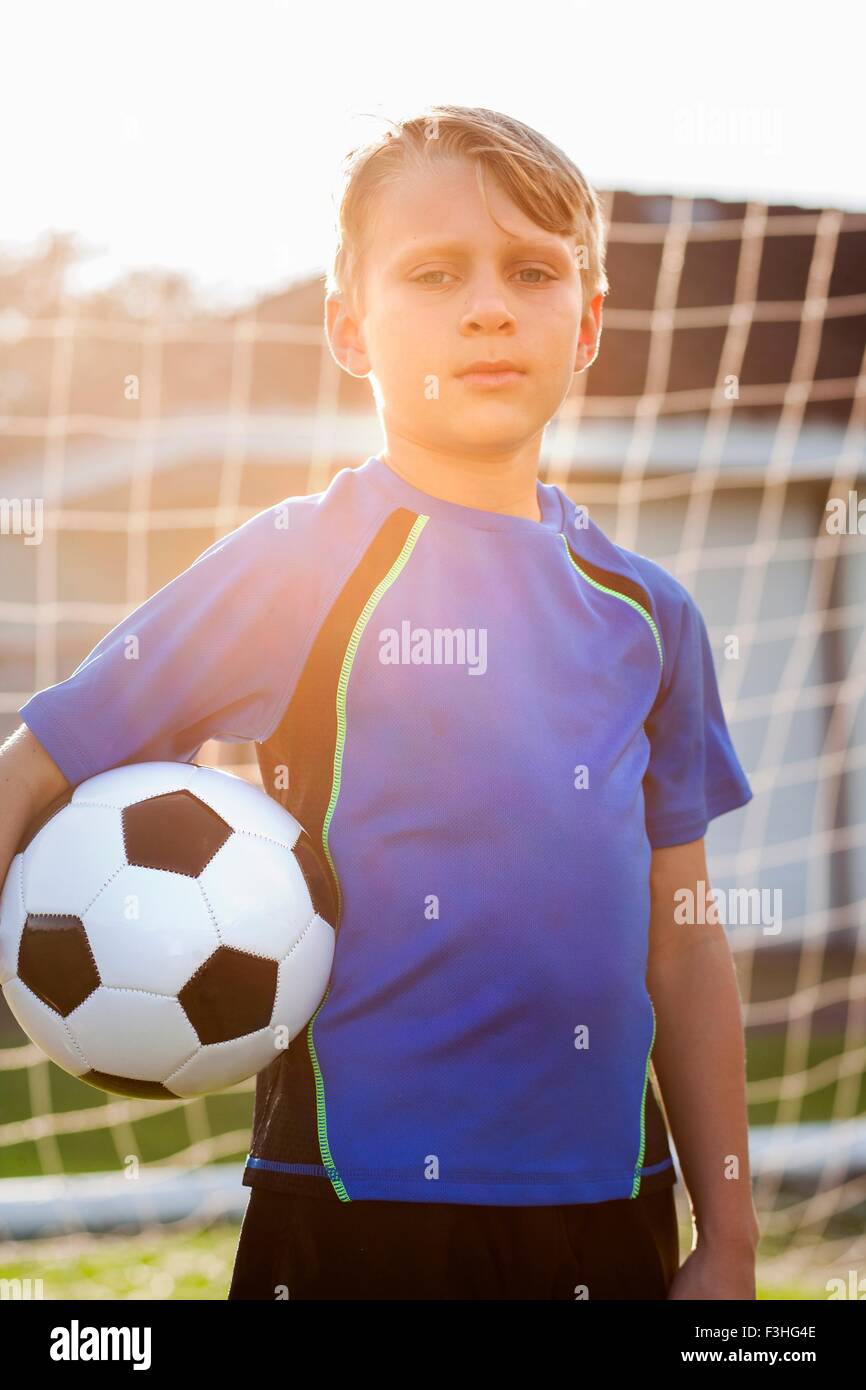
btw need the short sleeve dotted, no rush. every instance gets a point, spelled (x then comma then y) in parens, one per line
(693, 773)
(207, 656)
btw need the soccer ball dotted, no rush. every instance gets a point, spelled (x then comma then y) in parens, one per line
(158, 937)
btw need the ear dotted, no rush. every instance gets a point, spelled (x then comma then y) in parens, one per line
(345, 337)
(590, 334)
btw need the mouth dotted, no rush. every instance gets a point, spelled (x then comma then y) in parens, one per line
(491, 374)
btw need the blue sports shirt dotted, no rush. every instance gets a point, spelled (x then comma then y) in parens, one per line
(485, 724)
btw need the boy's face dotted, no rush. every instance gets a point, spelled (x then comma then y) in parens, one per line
(431, 310)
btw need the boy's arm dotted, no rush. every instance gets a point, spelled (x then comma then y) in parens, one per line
(699, 1054)
(29, 781)
(212, 654)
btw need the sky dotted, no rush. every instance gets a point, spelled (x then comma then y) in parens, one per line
(207, 135)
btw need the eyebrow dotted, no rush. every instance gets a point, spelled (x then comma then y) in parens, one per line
(429, 248)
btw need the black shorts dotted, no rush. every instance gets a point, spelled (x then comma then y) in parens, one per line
(305, 1248)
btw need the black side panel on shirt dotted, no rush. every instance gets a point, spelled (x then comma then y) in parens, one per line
(285, 1121)
(619, 582)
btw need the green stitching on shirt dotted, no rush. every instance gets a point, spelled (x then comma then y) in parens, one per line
(643, 612)
(625, 598)
(345, 673)
(321, 1116)
(636, 1185)
(342, 686)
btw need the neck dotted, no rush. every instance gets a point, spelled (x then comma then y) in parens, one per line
(506, 484)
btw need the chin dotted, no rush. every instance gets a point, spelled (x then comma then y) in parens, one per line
(481, 441)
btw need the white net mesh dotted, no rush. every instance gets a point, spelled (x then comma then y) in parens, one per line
(724, 414)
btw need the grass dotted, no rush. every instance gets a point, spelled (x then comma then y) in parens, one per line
(163, 1133)
(155, 1265)
(167, 1266)
(765, 1057)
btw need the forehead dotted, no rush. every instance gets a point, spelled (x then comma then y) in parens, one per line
(442, 204)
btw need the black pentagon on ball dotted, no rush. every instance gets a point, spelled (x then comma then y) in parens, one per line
(230, 995)
(174, 831)
(55, 960)
(128, 1086)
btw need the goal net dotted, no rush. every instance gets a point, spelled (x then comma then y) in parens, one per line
(720, 432)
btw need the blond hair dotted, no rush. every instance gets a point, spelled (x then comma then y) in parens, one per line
(544, 183)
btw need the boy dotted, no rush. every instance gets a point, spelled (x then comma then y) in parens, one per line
(503, 737)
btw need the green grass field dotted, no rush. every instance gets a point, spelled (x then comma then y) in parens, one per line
(163, 1133)
(175, 1265)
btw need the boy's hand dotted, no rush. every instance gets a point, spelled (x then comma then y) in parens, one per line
(716, 1272)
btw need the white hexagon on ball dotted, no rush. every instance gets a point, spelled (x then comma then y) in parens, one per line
(149, 930)
(257, 894)
(127, 1033)
(72, 858)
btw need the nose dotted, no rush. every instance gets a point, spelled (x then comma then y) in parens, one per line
(486, 312)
